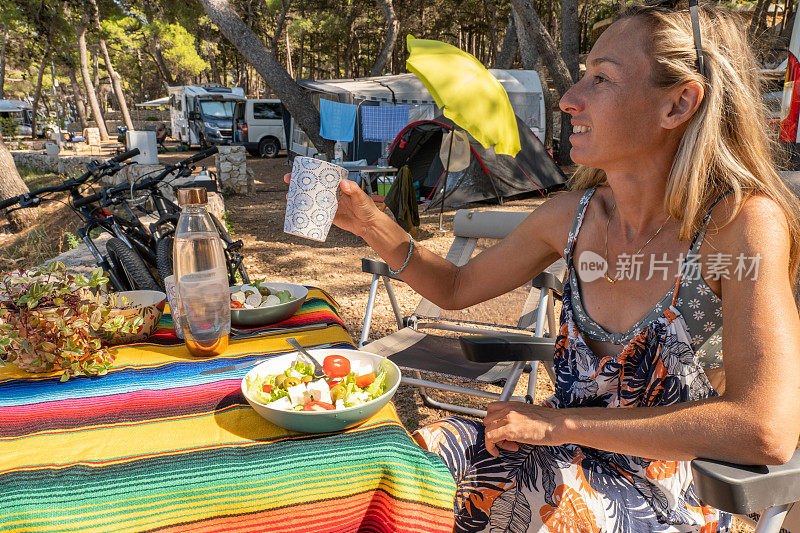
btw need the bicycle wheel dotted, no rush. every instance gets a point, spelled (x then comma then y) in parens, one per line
(129, 266)
(164, 257)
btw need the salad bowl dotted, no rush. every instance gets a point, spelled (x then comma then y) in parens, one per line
(325, 421)
(264, 316)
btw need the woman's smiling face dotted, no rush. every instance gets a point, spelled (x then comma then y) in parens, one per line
(616, 109)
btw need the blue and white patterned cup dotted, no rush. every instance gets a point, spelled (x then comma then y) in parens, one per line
(313, 198)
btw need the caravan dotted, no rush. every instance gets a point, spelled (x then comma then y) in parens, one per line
(523, 87)
(203, 114)
(17, 119)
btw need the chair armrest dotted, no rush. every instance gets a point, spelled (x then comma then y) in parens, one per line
(510, 347)
(744, 489)
(371, 266)
(546, 280)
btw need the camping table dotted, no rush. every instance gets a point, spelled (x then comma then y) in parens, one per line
(154, 444)
(369, 172)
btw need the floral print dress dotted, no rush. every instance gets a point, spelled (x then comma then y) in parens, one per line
(571, 488)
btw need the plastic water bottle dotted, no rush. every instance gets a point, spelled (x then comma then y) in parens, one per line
(338, 153)
(201, 277)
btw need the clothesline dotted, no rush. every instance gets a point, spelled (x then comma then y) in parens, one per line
(378, 123)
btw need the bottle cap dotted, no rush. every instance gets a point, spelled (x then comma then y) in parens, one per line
(192, 196)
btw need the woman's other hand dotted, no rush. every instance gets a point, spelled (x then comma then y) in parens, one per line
(356, 212)
(509, 424)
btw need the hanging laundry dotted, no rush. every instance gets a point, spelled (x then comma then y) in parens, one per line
(383, 123)
(337, 120)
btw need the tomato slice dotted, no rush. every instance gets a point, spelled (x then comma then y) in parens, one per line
(266, 388)
(336, 366)
(365, 380)
(332, 383)
(318, 406)
(236, 305)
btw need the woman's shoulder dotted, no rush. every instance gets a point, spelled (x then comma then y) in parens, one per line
(757, 223)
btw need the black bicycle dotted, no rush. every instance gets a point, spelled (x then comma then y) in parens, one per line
(124, 270)
(153, 245)
(131, 258)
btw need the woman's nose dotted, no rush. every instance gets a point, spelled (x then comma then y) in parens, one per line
(571, 102)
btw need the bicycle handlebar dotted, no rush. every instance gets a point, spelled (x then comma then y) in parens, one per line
(125, 155)
(199, 156)
(109, 191)
(71, 183)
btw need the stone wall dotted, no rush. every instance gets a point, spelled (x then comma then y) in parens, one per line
(231, 163)
(57, 164)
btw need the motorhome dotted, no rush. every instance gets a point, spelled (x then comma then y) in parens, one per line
(258, 125)
(17, 118)
(203, 114)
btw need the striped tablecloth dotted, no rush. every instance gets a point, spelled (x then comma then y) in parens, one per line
(155, 445)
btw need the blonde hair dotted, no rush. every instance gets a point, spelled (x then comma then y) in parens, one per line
(726, 144)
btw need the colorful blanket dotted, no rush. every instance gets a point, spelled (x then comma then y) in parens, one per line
(156, 445)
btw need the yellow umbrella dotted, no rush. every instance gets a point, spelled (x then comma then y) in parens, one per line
(468, 93)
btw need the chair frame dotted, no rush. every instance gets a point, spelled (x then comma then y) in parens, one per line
(468, 227)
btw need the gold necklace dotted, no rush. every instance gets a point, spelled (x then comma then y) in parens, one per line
(616, 275)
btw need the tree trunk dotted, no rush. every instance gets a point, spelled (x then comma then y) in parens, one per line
(38, 92)
(247, 43)
(3, 62)
(755, 22)
(87, 82)
(570, 49)
(529, 20)
(12, 185)
(490, 10)
(391, 37)
(508, 50)
(112, 74)
(531, 61)
(77, 96)
(161, 64)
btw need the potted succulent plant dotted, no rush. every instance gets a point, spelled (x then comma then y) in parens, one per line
(51, 321)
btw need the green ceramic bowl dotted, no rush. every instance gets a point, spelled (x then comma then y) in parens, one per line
(264, 316)
(322, 421)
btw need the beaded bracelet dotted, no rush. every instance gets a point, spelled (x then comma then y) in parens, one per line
(408, 258)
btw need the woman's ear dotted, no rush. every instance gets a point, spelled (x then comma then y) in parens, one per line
(684, 102)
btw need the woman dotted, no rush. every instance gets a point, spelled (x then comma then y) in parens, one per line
(677, 175)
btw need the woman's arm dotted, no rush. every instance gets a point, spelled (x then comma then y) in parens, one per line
(755, 421)
(525, 252)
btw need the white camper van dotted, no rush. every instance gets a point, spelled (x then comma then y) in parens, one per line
(203, 114)
(258, 126)
(19, 114)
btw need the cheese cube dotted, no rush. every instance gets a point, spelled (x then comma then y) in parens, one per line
(281, 403)
(298, 394)
(339, 404)
(320, 391)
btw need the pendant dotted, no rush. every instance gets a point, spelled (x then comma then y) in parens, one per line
(610, 279)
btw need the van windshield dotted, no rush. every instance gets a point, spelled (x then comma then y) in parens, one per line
(222, 109)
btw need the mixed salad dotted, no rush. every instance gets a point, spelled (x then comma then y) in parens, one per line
(256, 294)
(346, 384)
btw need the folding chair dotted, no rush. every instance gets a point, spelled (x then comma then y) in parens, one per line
(416, 351)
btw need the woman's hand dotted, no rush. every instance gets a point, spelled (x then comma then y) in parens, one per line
(510, 423)
(356, 211)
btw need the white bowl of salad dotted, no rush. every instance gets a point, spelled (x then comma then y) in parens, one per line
(356, 386)
(262, 303)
